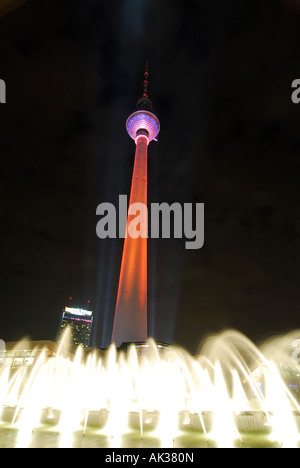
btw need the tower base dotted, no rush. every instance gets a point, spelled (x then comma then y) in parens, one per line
(143, 347)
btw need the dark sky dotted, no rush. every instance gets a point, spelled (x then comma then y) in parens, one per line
(220, 81)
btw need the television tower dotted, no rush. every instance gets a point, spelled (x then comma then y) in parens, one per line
(130, 321)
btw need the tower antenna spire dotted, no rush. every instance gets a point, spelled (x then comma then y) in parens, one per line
(146, 82)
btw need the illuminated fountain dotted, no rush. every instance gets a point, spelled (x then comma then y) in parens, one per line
(229, 390)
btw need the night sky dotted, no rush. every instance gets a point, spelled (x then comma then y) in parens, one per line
(220, 81)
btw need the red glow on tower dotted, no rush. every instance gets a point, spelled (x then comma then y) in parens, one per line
(146, 74)
(130, 322)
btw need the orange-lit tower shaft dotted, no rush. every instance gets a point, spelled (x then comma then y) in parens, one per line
(130, 322)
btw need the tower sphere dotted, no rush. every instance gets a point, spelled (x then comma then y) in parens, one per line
(143, 121)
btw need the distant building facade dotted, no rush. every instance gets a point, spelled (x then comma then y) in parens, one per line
(80, 323)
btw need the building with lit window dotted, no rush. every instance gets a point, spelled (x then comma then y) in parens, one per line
(80, 323)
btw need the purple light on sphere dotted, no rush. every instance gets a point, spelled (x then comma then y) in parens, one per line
(143, 120)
